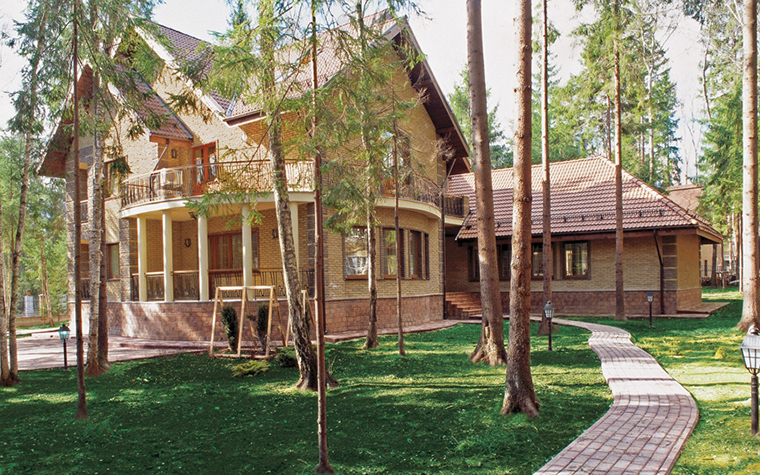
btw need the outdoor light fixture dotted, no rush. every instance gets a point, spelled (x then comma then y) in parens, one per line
(275, 235)
(193, 215)
(750, 348)
(650, 299)
(64, 333)
(549, 313)
(188, 242)
(174, 153)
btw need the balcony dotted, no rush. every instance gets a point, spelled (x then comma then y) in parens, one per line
(256, 175)
(195, 180)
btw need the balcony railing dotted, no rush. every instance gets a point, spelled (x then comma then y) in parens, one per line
(232, 177)
(256, 175)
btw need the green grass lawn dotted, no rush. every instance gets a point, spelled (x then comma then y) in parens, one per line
(429, 412)
(703, 356)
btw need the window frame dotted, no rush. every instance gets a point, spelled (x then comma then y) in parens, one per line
(533, 246)
(399, 256)
(365, 276)
(213, 245)
(416, 270)
(473, 263)
(505, 268)
(563, 257)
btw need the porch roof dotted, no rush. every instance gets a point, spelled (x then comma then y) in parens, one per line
(582, 202)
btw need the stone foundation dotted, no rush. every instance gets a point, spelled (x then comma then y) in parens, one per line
(191, 320)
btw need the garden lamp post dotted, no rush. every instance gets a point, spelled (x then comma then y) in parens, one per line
(64, 332)
(650, 298)
(549, 313)
(750, 349)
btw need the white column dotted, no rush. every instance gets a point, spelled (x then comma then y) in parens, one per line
(245, 211)
(142, 258)
(203, 258)
(168, 258)
(294, 225)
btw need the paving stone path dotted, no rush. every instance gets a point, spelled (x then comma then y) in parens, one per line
(649, 421)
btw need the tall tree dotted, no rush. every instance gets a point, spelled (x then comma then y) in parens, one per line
(490, 348)
(519, 394)
(362, 132)
(546, 177)
(750, 251)
(619, 289)
(27, 122)
(319, 233)
(269, 33)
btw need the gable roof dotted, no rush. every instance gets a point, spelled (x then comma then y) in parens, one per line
(582, 201)
(171, 127)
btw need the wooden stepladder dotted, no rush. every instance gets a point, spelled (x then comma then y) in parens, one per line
(244, 291)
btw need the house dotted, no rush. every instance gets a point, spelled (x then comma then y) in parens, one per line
(661, 242)
(164, 261)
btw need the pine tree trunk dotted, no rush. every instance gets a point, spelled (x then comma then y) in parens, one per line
(103, 310)
(397, 229)
(372, 341)
(749, 196)
(96, 220)
(490, 349)
(619, 289)
(5, 371)
(519, 394)
(548, 256)
(81, 413)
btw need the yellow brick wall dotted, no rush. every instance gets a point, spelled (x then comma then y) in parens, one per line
(688, 262)
(203, 131)
(155, 245)
(338, 287)
(641, 268)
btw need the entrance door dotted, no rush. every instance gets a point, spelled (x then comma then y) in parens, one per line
(204, 158)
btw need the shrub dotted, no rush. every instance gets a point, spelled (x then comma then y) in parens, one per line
(286, 357)
(250, 368)
(261, 319)
(230, 326)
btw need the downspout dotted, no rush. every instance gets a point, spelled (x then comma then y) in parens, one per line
(662, 275)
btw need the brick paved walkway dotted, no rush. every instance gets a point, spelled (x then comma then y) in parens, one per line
(649, 421)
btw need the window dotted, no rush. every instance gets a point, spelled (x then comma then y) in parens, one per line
(575, 259)
(415, 254)
(537, 250)
(356, 252)
(112, 261)
(226, 251)
(504, 258)
(390, 260)
(473, 263)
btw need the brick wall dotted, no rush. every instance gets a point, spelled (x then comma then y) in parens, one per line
(192, 320)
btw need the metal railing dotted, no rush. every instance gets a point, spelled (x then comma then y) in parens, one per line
(186, 285)
(256, 175)
(84, 289)
(155, 282)
(231, 177)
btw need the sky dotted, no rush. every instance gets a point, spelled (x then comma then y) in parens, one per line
(442, 35)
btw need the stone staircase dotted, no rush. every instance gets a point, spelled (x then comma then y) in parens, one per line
(463, 305)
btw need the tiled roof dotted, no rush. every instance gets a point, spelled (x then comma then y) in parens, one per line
(582, 201)
(171, 126)
(188, 48)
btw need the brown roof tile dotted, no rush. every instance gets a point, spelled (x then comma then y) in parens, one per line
(582, 201)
